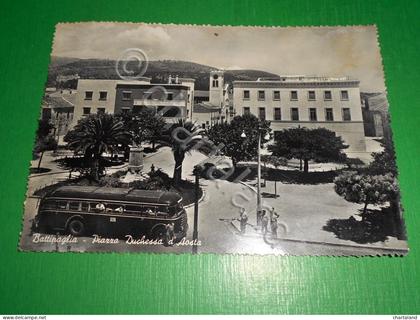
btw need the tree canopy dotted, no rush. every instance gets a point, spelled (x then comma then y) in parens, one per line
(235, 146)
(144, 126)
(94, 135)
(320, 145)
(365, 188)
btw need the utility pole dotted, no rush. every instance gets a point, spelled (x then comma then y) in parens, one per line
(197, 189)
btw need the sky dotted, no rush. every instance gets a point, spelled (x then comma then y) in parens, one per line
(313, 51)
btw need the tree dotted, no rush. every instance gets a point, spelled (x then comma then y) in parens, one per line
(94, 135)
(366, 189)
(144, 126)
(44, 144)
(320, 145)
(182, 137)
(229, 134)
(384, 162)
(44, 140)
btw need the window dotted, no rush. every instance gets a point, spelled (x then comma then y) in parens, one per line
(85, 206)
(277, 114)
(126, 95)
(125, 110)
(215, 83)
(88, 95)
(100, 110)
(261, 95)
(327, 95)
(344, 95)
(103, 95)
(246, 95)
(247, 110)
(62, 205)
(312, 114)
(311, 95)
(329, 114)
(86, 110)
(261, 113)
(294, 114)
(293, 95)
(276, 95)
(170, 96)
(346, 114)
(74, 206)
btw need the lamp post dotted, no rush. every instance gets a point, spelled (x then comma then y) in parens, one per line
(197, 172)
(259, 202)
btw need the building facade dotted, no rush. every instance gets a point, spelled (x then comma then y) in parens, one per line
(168, 100)
(115, 96)
(311, 102)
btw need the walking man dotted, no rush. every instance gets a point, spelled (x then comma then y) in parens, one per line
(274, 226)
(264, 223)
(243, 220)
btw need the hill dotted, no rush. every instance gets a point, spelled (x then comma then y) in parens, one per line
(158, 70)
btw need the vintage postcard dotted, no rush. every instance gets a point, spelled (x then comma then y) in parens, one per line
(201, 139)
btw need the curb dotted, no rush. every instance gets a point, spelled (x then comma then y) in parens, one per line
(323, 242)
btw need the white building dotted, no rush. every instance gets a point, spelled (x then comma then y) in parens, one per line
(312, 102)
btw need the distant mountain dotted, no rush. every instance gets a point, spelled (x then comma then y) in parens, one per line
(158, 70)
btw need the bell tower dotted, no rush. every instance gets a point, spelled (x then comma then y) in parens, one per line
(216, 85)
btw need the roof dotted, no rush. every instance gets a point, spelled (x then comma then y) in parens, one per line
(119, 194)
(205, 108)
(151, 85)
(59, 101)
(201, 93)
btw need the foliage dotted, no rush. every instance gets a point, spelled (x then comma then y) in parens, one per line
(44, 140)
(182, 136)
(273, 160)
(384, 162)
(320, 145)
(229, 134)
(44, 129)
(366, 189)
(94, 135)
(144, 126)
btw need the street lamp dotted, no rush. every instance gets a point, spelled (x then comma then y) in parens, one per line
(197, 172)
(266, 138)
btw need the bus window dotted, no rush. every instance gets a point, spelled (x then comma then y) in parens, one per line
(85, 206)
(62, 205)
(74, 206)
(117, 208)
(49, 204)
(134, 209)
(98, 207)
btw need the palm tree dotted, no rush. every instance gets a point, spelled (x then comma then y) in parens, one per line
(94, 135)
(182, 137)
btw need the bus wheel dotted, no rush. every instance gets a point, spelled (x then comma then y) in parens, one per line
(76, 227)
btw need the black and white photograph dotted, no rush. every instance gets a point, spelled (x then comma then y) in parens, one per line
(214, 139)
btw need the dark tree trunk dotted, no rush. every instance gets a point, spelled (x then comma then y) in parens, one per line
(306, 165)
(39, 162)
(300, 164)
(364, 213)
(179, 159)
(153, 145)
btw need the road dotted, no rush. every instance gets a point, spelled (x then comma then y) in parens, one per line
(220, 205)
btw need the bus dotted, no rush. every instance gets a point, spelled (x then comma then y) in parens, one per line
(88, 210)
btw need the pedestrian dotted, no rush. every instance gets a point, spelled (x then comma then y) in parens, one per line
(264, 223)
(243, 220)
(273, 213)
(274, 227)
